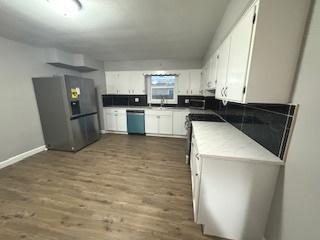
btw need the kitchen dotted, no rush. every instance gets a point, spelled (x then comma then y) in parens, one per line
(159, 120)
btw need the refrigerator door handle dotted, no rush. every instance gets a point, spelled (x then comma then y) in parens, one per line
(82, 115)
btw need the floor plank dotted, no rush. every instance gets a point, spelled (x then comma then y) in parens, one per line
(121, 187)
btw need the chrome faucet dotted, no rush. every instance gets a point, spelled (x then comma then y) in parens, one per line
(162, 101)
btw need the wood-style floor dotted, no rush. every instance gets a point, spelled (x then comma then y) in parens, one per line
(121, 187)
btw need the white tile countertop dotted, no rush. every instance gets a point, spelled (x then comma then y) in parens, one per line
(222, 140)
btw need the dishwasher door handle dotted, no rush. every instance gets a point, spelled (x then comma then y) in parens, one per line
(135, 114)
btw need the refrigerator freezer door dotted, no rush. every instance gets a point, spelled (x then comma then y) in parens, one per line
(79, 131)
(92, 128)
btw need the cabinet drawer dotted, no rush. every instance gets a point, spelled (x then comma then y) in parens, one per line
(158, 112)
(115, 110)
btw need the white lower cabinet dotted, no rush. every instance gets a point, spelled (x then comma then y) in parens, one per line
(158, 122)
(179, 119)
(231, 199)
(116, 119)
(195, 163)
(151, 124)
(165, 124)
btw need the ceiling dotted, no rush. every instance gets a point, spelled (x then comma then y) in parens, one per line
(116, 30)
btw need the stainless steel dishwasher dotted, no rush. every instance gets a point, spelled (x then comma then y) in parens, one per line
(135, 122)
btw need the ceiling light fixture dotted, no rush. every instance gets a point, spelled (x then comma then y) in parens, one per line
(66, 7)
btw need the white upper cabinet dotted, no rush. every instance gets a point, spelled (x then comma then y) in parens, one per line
(222, 68)
(195, 82)
(183, 82)
(134, 82)
(126, 82)
(240, 43)
(257, 61)
(112, 79)
(189, 82)
(138, 83)
(212, 83)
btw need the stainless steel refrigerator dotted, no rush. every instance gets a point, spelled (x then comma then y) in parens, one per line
(68, 111)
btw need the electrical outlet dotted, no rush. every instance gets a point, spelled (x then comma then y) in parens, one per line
(136, 100)
(186, 100)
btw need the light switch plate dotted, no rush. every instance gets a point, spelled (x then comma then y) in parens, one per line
(136, 100)
(186, 100)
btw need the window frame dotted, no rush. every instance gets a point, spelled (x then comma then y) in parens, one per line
(166, 101)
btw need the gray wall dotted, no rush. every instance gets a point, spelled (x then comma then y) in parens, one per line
(20, 129)
(160, 64)
(233, 13)
(295, 211)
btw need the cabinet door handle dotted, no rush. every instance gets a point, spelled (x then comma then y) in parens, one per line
(225, 91)
(197, 174)
(132, 91)
(191, 91)
(197, 156)
(222, 92)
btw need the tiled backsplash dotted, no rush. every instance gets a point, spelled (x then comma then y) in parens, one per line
(140, 100)
(267, 124)
(124, 100)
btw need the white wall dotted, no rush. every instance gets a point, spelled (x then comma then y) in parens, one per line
(162, 64)
(295, 211)
(20, 128)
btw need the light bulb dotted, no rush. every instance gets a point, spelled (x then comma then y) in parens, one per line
(66, 7)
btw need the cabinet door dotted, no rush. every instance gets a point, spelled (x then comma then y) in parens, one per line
(212, 80)
(111, 122)
(151, 124)
(165, 124)
(183, 82)
(121, 122)
(195, 82)
(137, 83)
(222, 68)
(178, 123)
(240, 47)
(195, 178)
(111, 81)
(124, 82)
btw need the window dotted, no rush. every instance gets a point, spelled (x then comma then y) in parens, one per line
(162, 87)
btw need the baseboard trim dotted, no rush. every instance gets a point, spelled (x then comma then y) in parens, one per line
(115, 132)
(149, 135)
(165, 136)
(21, 156)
